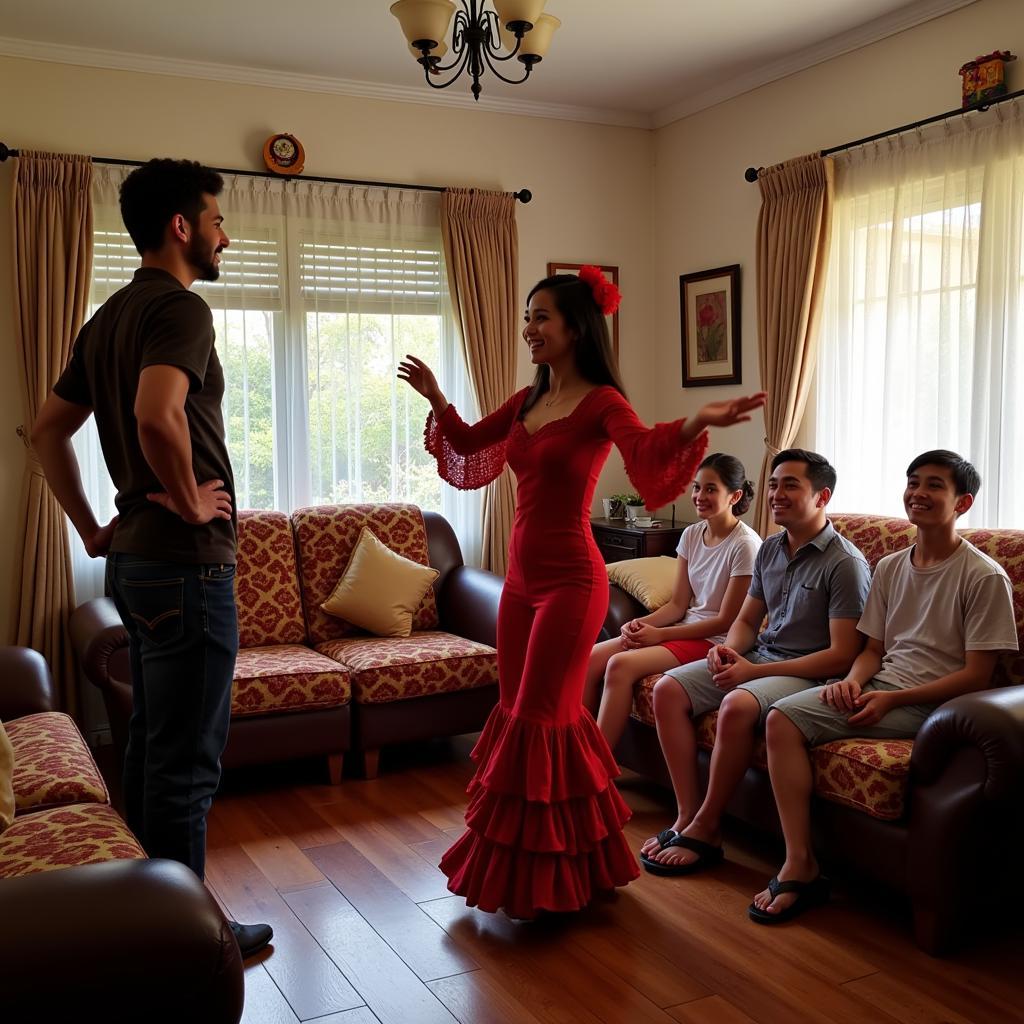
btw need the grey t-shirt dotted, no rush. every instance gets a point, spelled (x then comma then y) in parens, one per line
(827, 578)
(927, 618)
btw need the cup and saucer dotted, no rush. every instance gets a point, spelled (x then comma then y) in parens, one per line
(644, 521)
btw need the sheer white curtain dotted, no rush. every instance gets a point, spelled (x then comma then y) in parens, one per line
(923, 331)
(322, 291)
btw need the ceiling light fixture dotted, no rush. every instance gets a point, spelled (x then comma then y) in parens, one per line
(481, 38)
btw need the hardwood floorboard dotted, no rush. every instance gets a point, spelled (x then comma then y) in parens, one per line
(311, 981)
(388, 987)
(412, 934)
(367, 932)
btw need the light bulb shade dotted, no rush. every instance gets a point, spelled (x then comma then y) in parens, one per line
(538, 39)
(424, 19)
(518, 10)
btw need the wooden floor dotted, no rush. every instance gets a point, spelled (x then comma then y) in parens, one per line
(367, 933)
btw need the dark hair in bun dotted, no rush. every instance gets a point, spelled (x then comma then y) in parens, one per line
(731, 472)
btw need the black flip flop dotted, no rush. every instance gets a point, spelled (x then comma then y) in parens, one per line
(707, 856)
(809, 894)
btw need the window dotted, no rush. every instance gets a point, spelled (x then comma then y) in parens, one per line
(312, 313)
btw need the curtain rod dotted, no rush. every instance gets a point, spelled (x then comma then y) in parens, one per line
(751, 173)
(524, 195)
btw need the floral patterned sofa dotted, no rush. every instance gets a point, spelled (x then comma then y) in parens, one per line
(917, 815)
(310, 685)
(76, 890)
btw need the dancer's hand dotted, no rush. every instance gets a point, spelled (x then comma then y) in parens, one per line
(214, 503)
(420, 378)
(729, 413)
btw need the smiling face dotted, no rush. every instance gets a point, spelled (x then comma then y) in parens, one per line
(710, 496)
(930, 498)
(207, 240)
(549, 338)
(792, 498)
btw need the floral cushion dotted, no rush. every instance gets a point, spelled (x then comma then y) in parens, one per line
(64, 837)
(52, 764)
(867, 775)
(1007, 548)
(286, 677)
(267, 581)
(326, 535)
(876, 536)
(396, 668)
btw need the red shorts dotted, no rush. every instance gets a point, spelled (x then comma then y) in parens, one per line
(685, 651)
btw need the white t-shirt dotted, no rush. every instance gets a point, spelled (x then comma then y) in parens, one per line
(710, 569)
(926, 619)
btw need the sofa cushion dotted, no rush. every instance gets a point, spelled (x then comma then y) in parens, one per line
(64, 837)
(876, 536)
(267, 581)
(380, 590)
(6, 780)
(867, 775)
(1007, 548)
(385, 670)
(286, 677)
(649, 580)
(326, 535)
(52, 764)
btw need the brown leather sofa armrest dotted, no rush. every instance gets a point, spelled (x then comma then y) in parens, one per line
(26, 686)
(468, 604)
(992, 723)
(621, 609)
(125, 940)
(96, 633)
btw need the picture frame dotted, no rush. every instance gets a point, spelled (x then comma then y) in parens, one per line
(612, 273)
(710, 312)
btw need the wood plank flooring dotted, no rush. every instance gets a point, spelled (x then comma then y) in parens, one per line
(367, 933)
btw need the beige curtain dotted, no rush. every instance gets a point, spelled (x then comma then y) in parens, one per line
(793, 231)
(52, 220)
(481, 247)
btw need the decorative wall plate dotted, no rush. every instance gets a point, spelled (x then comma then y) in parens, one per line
(283, 154)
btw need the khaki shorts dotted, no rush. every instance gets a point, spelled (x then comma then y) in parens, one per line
(704, 696)
(822, 723)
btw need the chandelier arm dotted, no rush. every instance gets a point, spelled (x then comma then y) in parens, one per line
(458, 44)
(462, 61)
(492, 46)
(528, 65)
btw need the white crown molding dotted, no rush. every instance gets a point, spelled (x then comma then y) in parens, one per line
(855, 39)
(117, 61)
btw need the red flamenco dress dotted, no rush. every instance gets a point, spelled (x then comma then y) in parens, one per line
(544, 822)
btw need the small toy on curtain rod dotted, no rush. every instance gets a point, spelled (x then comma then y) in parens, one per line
(984, 78)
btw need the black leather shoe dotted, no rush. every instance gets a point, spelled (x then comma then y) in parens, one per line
(251, 938)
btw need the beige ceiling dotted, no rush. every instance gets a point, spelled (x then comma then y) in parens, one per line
(642, 62)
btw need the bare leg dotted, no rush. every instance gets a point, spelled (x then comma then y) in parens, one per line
(595, 671)
(624, 670)
(792, 782)
(678, 739)
(734, 743)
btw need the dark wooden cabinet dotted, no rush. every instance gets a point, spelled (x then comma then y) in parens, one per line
(618, 539)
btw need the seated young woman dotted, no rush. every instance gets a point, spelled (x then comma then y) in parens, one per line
(716, 561)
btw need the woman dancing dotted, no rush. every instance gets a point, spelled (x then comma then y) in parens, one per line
(544, 821)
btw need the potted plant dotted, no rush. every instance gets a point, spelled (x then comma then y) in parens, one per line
(634, 505)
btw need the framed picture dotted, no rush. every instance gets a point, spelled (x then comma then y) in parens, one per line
(612, 273)
(709, 306)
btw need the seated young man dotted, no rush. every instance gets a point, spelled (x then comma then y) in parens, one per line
(937, 616)
(812, 584)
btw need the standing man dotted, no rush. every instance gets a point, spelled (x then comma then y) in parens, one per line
(145, 365)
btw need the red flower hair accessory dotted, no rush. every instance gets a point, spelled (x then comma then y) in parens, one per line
(606, 295)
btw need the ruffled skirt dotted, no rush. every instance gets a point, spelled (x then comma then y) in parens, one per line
(544, 822)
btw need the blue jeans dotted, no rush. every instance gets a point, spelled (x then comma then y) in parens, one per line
(183, 637)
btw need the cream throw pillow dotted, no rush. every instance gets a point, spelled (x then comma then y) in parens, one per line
(6, 780)
(649, 580)
(380, 590)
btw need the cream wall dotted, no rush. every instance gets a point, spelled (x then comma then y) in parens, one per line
(706, 213)
(591, 187)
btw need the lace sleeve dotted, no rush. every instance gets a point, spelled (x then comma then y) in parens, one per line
(470, 456)
(659, 465)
